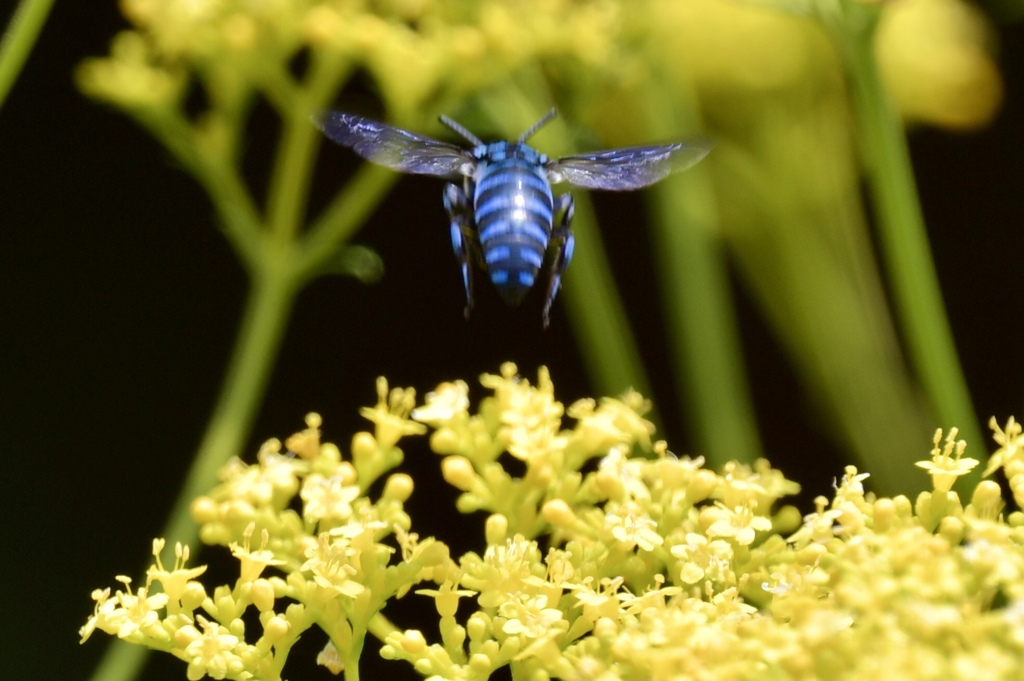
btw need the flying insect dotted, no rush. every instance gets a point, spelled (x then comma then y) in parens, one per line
(502, 212)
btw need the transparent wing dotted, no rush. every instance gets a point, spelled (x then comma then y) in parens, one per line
(395, 148)
(622, 169)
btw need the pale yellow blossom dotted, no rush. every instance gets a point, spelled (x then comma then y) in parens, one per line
(631, 528)
(740, 523)
(946, 464)
(253, 562)
(391, 415)
(333, 565)
(176, 580)
(327, 499)
(215, 653)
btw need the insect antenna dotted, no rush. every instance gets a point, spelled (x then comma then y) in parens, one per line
(536, 126)
(476, 141)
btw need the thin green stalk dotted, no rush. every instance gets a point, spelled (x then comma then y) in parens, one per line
(239, 218)
(18, 40)
(597, 314)
(289, 184)
(354, 653)
(904, 237)
(705, 343)
(381, 627)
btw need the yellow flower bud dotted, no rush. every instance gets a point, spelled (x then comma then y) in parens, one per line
(239, 512)
(987, 499)
(185, 635)
(811, 554)
(609, 484)
(398, 487)
(444, 441)
(275, 629)
(701, 486)
(481, 665)
(952, 530)
(458, 472)
(452, 632)
(605, 629)
(884, 514)
(478, 626)
(904, 509)
(204, 510)
(559, 513)
(364, 445)
(193, 595)
(496, 529)
(413, 642)
(262, 595)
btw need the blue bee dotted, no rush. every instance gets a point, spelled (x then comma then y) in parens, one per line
(503, 216)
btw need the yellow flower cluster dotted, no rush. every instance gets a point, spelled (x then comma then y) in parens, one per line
(607, 557)
(332, 562)
(936, 54)
(416, 51)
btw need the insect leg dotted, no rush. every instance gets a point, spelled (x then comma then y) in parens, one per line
(563, 242)
(460, 213)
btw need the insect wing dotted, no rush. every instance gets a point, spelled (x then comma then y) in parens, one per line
(395, 148)
(623, 169)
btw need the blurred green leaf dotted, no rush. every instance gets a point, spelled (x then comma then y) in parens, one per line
(357, 261)
(17, 40)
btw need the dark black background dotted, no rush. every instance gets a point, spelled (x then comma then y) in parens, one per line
(120, 301)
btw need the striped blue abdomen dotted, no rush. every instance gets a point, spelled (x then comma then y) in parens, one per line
(513, 208)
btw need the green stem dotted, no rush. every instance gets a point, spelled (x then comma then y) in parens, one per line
(289, 184)
(903, 235)
(381, 627)
(17, 41)
(353, 654)
(598, 315)
(705, 342)
(239, 218)
(262, 329)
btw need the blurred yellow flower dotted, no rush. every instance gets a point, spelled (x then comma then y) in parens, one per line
(937, 60)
